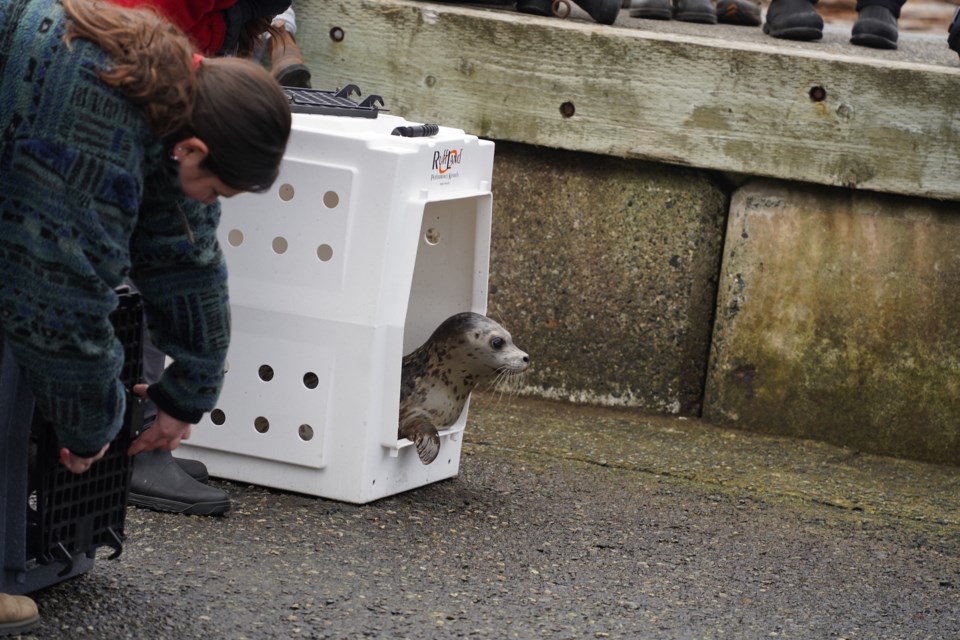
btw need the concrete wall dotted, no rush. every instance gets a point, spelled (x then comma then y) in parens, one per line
(836, 315)
(839, 319)
(605, 272)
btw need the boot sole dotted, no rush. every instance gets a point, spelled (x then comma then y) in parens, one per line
(217, 508)
(697, 17)
(794, 33)
(873, 40)
(18, 628)
(876, 42)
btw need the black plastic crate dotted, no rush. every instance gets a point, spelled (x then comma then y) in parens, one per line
(66, 517)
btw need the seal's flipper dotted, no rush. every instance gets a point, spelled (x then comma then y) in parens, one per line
(428, 445)
(424, 435)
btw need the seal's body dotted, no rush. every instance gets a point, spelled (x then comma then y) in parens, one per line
(436, 379)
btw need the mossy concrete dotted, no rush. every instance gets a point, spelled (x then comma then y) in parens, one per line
(838, 320)
(604, 270)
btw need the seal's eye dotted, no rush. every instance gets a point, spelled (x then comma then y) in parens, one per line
(497, 343)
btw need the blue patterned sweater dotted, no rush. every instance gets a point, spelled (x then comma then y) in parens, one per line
(88, 197)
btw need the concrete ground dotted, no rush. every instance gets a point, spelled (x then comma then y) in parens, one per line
(565, 522)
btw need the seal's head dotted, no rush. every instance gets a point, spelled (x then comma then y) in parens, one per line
(465, 350)
(477, 346)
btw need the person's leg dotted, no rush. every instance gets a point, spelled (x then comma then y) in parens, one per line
(18, 614)
(161, 482)
(286, 60)
(876, 24)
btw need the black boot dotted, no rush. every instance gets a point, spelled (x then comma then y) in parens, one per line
(793, 20)
(194, 468)
(953, 32)
(159, 483)
(701, 11)
(603, 11)
(536, 7)
(875, 27)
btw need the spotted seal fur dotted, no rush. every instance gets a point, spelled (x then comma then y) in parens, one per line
(436, 379)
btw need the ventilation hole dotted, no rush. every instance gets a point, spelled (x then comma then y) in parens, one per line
(235, 237)
(261, 424)
(432, 236)
(279, 245)
(567, 110)
(325, 252)
(306, 432)
(265, 372)
(286, 192)
(818, 94)
(217, 417)
(310, 380)
(331, 199)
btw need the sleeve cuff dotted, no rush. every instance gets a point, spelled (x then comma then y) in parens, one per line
(166, 404)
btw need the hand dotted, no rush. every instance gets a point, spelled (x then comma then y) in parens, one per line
(77, 464)
(166, 432)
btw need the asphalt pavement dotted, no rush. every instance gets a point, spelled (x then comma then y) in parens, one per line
(565, 522)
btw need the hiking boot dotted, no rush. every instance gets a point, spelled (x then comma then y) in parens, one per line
(875, 27)
(158, 482)
(793, 20)
(18, 614)
(603, 11)
(286, 61)
(651, 9)
(699, 11)
(745, 13)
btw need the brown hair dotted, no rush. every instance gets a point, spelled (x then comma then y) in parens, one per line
(233, 105)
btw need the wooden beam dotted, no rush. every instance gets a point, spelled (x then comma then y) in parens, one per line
(761, 109)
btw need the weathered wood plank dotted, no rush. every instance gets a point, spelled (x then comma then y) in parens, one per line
(884, 125)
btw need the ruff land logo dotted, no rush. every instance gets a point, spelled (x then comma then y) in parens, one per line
(445, 164)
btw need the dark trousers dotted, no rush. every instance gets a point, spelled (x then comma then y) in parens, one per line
(893, 5)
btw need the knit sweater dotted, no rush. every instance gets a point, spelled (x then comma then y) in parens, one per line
(89, 197)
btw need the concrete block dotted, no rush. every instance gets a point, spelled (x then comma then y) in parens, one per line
(837, 320)
(604, 270)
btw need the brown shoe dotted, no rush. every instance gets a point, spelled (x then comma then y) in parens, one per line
(287, 62)
(18, 614)
(745, 13)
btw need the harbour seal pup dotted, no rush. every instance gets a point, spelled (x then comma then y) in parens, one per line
(436, 379)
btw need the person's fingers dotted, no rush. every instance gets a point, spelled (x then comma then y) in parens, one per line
(154, 438)
(140, 390)
(137, 446)
(77, 464)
